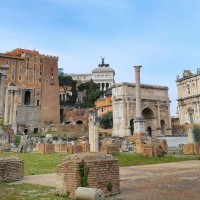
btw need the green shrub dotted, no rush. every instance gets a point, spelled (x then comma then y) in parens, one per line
(17, 139)
(196, 132)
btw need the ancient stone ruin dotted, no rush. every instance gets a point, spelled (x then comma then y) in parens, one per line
(92, 170)
(11, 169)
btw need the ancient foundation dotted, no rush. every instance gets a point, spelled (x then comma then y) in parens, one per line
(45, 148)
(100, 171)
(11, 169)
(60, 147)
(191, 149)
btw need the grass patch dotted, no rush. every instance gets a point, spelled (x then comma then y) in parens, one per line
(136, 159)
(35, 163)
(28, 192)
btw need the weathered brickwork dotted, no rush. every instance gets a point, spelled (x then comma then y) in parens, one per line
(153, 151)
(110, 149)
(60, 147)
(45, 148)
(11, 169)
(67, 130)
(103, 170)
(76, 115)
(78, 148)
(191, 149)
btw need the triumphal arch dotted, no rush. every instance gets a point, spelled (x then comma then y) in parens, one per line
(155, 107)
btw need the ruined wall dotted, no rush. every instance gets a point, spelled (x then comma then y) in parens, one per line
(103, 170)
(66, 130)
(74, 115)
(45, 148)
(29, 115)
(11, 169)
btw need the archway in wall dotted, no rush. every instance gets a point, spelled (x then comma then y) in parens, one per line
(132, 126)
(27, 98)
(35, 130)
(147, 113)
(149, 131)
(162, 123)
(25, 131)
(149, 118)
(79, 122)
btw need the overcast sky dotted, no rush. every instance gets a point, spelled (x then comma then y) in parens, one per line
(161, 35)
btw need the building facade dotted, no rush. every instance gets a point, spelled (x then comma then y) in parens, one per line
(155, 106)
(31, 89)
(104, 105)
(188, 88)
(102, 75)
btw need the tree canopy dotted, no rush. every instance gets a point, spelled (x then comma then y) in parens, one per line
(106, 121)
(66, 82)
(92, 93)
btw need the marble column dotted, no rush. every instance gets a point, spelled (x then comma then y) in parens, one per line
(93, 131)
(6, 108)
(14, 107)
(11, 106)
(169, 121)
(2, 94)
(158, 117)
(139, 122)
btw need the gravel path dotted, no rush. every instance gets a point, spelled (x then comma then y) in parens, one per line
(170, 181)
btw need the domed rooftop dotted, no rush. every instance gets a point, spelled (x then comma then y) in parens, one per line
(103, 68)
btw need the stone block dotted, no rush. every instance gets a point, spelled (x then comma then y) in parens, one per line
(82, 193)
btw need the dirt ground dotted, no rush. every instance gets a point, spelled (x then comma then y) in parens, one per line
(169, 181)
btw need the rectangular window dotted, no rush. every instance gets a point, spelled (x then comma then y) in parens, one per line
(40, 79)
(40, 70)
(40, 60)
(27, 68)
(34, 60)
(13, 70)
(34, 79)
(13, 62)
(20, 70)
(26, 78)
(13, 77)
(27, 59)
(6, 62)
(20, 63)
(34, 69)
(20, 78)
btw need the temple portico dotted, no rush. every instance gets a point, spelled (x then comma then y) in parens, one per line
(11, 106)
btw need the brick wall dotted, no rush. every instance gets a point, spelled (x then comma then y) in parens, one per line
(50, 109)
(60, 147)
(11, 169)
(103, 169)
(45, 148)
(110, 149)
(191, 149)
